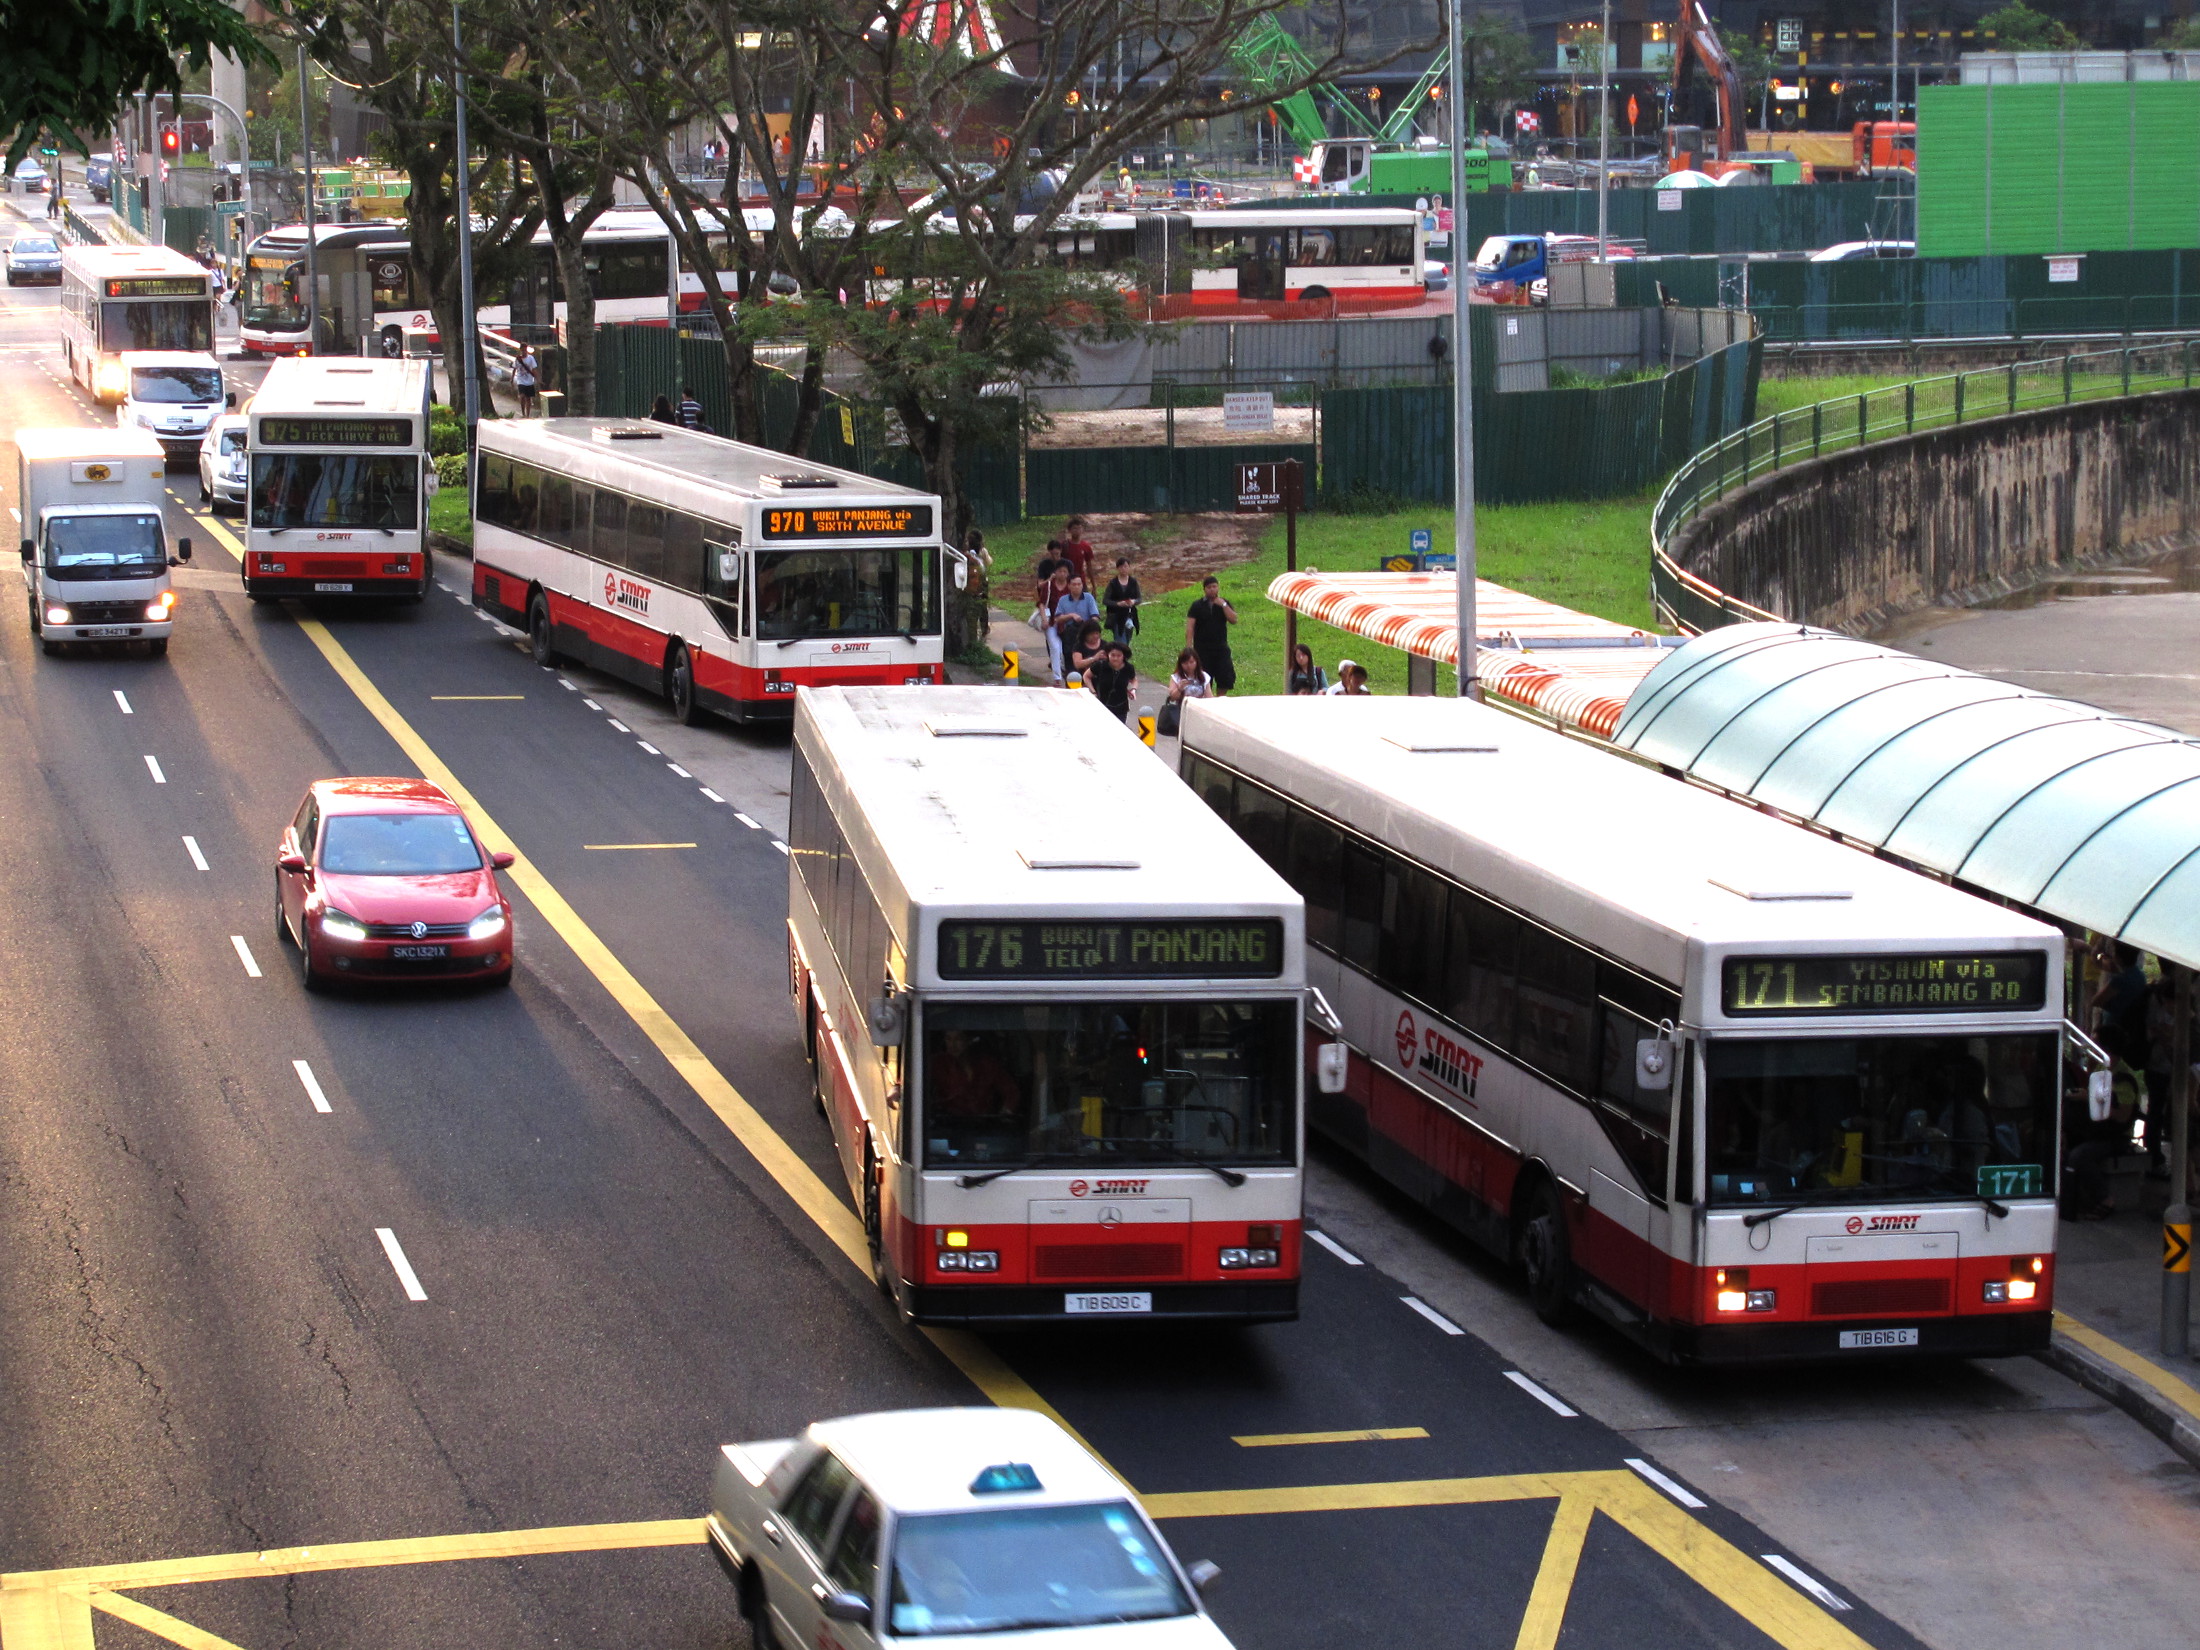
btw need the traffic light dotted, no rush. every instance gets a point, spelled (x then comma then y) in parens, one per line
(171, 143)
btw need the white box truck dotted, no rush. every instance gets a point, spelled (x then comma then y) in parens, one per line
(95, 552)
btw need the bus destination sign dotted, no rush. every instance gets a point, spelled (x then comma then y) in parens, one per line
(336, 432)
(849, 521)
(1976, 982)
(164, 286)
(1231, 948)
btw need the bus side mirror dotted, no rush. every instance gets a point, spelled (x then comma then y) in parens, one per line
(1653, 1064)
(1331, 1062)
(29, 550)
(433, 481)
(888, 1013)
(2100, 1094)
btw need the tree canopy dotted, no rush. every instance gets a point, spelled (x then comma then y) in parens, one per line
(70, 63)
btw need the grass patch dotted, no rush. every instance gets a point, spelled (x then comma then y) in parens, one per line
(450, 513)
(1779, 395)
(1592, 556)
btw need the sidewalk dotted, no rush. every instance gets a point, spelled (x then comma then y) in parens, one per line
(1009, 633)
(2108, 1294)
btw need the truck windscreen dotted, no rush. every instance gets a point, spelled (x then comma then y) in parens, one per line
(104, 547)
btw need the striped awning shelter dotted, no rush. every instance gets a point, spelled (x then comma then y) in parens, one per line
(1569, 666)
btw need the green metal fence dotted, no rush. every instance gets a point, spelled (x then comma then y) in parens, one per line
(1804, 433)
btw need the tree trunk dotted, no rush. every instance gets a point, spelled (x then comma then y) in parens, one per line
(580, 331)
(963, 624)
(808, 401)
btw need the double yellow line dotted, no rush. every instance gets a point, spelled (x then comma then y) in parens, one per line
(812, 1196)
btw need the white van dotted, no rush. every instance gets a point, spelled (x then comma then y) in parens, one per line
(95, 551)
(172, 396)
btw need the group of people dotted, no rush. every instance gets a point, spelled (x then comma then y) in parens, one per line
(2135, 1022)
(688, 415)
(1089, 630)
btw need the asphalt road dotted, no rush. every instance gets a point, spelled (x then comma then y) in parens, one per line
(205, 1346)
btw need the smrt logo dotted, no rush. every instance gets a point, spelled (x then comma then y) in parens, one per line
(1110, 1188)
(851, 647)
(1883, 1223)
(618, 592)
(1435, 1054)
(1077, 1188)
(1856, 1224)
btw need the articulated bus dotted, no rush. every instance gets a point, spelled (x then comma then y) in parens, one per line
(118, 300)
(339, 480)
(371, 264)
(1745, 1093)
(1063, 1075)
(725, 577)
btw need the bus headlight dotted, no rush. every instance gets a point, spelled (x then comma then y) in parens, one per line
(969, 1260)
(110, 378)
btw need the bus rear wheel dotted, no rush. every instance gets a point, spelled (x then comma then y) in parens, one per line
(680, 687)
(1546, 1257)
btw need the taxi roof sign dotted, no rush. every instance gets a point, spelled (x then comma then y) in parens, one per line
(1007, 1478)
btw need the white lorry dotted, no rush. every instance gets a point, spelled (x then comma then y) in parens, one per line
(95, 554)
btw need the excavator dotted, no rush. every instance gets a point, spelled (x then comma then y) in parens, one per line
(1702, 148)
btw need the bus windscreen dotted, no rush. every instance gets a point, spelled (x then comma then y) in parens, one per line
(180, 324)
(1113, 1085)
(846, 593)
(356, 490)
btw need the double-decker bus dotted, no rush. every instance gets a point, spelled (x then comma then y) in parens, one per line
(337, 455)
(121, 300)
(725, 577)
(371, 264)
(1743, 1092)
(1063, 1075)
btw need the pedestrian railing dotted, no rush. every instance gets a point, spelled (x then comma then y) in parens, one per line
(1805, 433)
(1927, 319)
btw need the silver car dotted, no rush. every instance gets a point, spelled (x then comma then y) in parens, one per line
(223, 464)
(34, 257)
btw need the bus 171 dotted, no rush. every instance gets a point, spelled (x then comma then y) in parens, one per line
(1743, 1092)
(725, 577)
(340, 480)
(1063, 1075)
(121, 300)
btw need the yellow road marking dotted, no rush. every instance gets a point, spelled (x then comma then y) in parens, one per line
(1554, 1577)
(474, 698)
(630, 847)
(1366, 1435)
(1410, 1492)
(2181, 1393)
(159, 1623)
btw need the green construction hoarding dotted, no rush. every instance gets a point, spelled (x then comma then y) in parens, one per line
(2085, 167)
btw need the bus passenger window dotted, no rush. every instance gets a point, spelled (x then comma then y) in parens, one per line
(645, 539)
(1363, 904)
(1215, 788)
(1411, 957)
(1558, 1000)
(554, 513)
(1264, 823)
(683, 551)
(1478, 978)
(493, 490)
(607, 535)
(1316, 871)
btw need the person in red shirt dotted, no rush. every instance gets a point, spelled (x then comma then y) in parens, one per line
(1075, 550)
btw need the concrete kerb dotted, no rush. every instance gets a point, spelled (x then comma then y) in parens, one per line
(2163, 1403)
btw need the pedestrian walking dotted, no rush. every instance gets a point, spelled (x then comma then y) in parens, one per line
(1188, 682)
(1086, 651)
(1075, 550)
(1306, 676)
(1207, 633)
(1114, 679)
(1120, 602)
(525, 371)
(661, 411)
(1053, 586)
(691, 411)
(1351, 682)
(1071, 610)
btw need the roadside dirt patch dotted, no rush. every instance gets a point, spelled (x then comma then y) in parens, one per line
(1167, 552)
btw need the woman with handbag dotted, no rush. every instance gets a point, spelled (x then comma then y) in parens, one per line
(1189, 682)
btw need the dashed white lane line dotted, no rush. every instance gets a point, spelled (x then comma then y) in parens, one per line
(191, 847)
(568, 686)
(152, 764)
(123, 699)
(1692, 1502)
(682, 772)
(647, 746)
(1809, 1583)
(590, 703)
(743, 818)
(714, 796)
(1335, 1248)
(1435, 1317)
(13, 511)
(313, 1085)
(403, 1267)
(621, 726)
(1554, 1405)
(781, 846)
(244, 955)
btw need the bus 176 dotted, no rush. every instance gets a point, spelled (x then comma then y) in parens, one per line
(725, 577)
(1743, 1092)
(1063, 1076)
(122, 300)
(340, 480)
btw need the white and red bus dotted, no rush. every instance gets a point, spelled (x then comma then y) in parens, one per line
(1063, 1075)
(725, 577)
(1743, 1092)
(1270, 259)
(339, 480)
(122, 300)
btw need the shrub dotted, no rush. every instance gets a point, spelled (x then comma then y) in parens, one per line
(445, 439)
(450, 468)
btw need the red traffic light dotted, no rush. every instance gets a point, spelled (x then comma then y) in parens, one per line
(171, 141)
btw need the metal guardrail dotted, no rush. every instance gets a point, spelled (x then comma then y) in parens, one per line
(1805, 433)
(1927, 320)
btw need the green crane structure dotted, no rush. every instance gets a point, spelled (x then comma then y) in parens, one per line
(1268, 57)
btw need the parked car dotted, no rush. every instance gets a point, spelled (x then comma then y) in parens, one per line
(34, 258)
(29, 178)
(223, 477)
(1842, 252)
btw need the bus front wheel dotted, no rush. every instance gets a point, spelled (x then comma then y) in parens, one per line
(680, 687)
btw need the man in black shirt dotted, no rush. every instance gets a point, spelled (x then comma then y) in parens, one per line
(1207, 633)
(1113, 678)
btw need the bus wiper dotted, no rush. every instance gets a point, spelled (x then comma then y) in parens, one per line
(969, 1181)
(790, 641)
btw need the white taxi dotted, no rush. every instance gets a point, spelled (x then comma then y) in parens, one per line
(944, 1524)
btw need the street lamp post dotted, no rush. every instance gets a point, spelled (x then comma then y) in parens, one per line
(1604, 137)
(1462, 370)
(244, 158)
(313, 234)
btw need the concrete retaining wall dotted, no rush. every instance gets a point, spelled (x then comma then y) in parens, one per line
(1957, 516)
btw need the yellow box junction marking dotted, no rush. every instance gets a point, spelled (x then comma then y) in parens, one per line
(51, 1609)
(1366, 1435)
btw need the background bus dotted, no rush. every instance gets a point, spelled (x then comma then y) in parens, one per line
(370, 287)
(1063, 1079)
(725, 577)
(1362, 258)
(1743, 1092)
(340, 480)
(119, 299)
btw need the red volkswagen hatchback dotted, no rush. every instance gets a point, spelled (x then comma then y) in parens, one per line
(384, 879)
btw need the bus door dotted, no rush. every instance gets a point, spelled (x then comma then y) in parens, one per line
(1262, 257)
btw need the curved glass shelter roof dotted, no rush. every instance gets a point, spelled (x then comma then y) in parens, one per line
(2086, 816)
